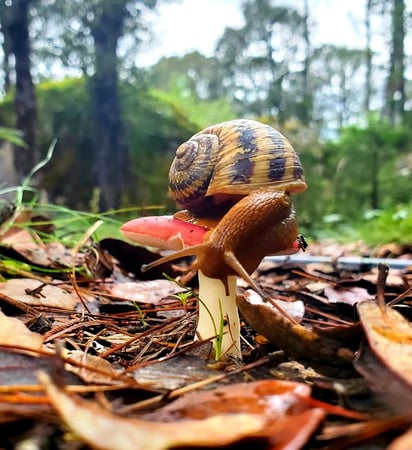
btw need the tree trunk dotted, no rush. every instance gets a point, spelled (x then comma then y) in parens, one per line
(111, 155)
(307, 95)
(6, 45)
(369, 55)
(25, 98)
(395, 87)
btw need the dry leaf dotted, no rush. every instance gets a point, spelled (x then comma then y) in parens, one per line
(347, 295)
(47, 295)
(316, 287)
(96, 426)
(389, 336)
(285, 406)
(394, 279)
(295, 309)
(27, 243)
(152, 292)
(292, 337)
(403, 442)
(174, 373)
(13, 332)
(386, 362)
(22, 242)
(58, 254)
(94, 370)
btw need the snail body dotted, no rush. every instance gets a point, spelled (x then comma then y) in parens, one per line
(260, 224)
(237, 176)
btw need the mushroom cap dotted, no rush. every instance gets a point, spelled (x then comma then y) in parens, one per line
(168, 233)
(163, 232)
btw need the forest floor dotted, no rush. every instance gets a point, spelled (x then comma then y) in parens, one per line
(94, 355)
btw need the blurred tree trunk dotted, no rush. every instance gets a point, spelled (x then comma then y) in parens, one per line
(25, 98)
(368, 53)
(395, 86)
(306, 110)
(6, 44)
(111, 154)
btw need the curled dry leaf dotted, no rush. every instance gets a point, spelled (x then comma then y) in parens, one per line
(292, 337)
(386, 362)
(389, 336)
(35, 293)
(95, 426)
(13, 332)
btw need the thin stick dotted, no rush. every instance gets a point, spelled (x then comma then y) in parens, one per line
(383, 271)
(191, 387)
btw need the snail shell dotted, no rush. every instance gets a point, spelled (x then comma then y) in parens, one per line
(233, 158)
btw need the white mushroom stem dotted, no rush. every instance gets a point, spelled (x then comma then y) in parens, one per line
(218, 315)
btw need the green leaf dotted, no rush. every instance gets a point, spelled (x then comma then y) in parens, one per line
(13, 136)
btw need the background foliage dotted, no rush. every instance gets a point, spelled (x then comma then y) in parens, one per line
(346, 111)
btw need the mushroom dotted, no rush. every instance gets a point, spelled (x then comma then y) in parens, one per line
(224, 252)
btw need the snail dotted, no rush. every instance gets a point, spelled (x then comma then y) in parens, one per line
(236, 177)
(235, 180)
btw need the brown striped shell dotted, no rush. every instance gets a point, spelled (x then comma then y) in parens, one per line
(233, 158)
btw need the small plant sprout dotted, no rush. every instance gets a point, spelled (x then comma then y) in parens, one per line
(141, 314)
(184, 296)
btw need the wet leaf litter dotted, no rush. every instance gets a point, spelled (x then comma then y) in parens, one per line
(85, 355)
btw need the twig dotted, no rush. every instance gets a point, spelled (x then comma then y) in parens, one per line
(383, 271)
(191, 387)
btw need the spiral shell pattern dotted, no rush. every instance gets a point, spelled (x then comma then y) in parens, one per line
(235, 157)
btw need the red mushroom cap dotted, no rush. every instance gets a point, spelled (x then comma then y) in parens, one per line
(168, 233)
(163, 232)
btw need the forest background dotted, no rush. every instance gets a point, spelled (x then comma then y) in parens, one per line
(70, 71)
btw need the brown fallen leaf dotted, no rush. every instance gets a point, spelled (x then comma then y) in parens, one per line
(19, 369)
(35, 293)
(21, 241)
(290, 419)
(389, 336)
(174, 373)
(394, 279)
(91, 368)
(353, 435)
(386, 361)
(403, 442)
(13, 332)
(295, 310)
(347, 295)
(291, 337)
(95, 426)
(26, 243)
(153, 292)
